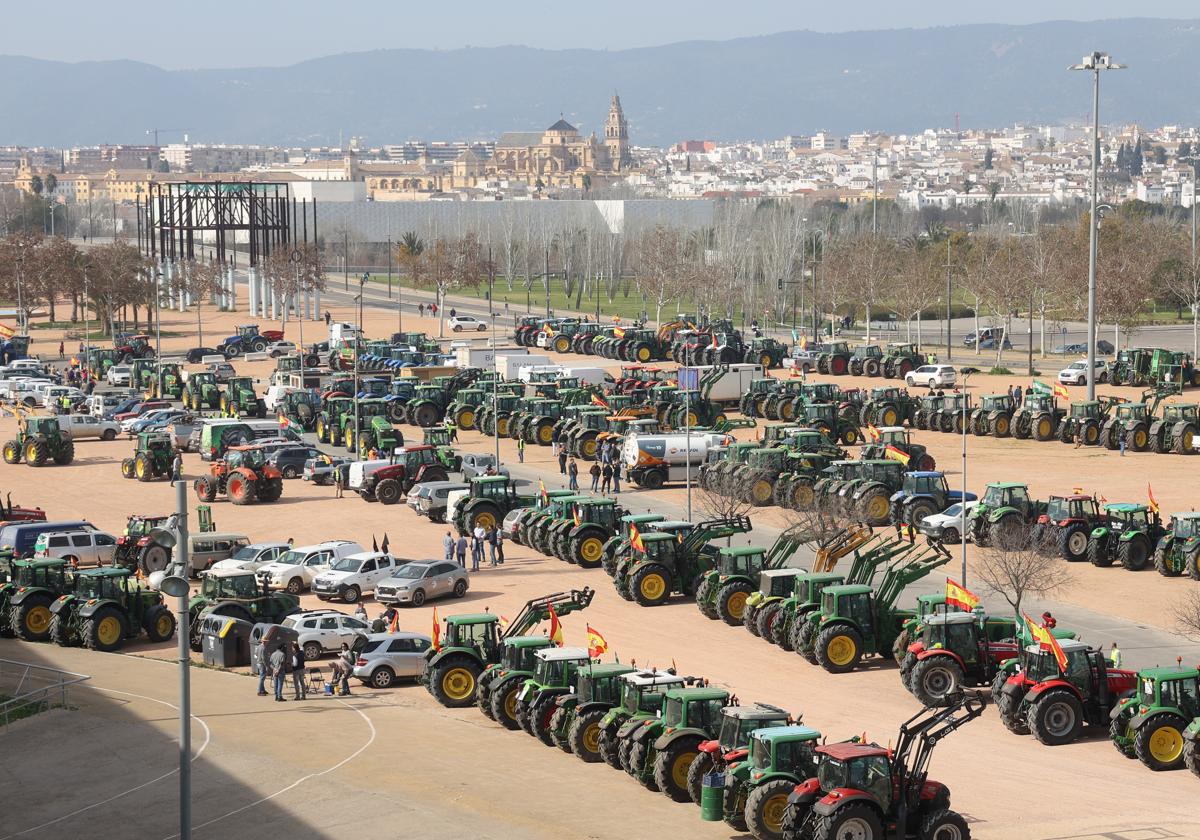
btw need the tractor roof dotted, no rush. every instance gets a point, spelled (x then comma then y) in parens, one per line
(664, 525)
(639, 518)
(892, 429)
(106, 572)
(658, 537)
(819, 577)
(847, 751)
(490, 479)
(560, 654)
(597, 501)
(228, 573)
(1068, 646)
(778, 573)
(1074, 497)
(703, 693)
(1161, 674)
(609, 669)
(1183, 516)
(757, 711)
(647, 678)
(41, 563)
(527, 641)
(786, 733)
(1006, 485)
(849, 589)
(951, 618)
(1125, 507)
(742, 551)
(472, 618)
(926, 474)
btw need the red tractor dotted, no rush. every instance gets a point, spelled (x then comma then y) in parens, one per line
(956, 650)
(1054, 703)
(871, 792)
(11, 513)
(244, 476)
(410, 465)
(1067, 525)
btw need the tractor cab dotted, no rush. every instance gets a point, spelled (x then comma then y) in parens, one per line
(492, 487)
(893, 436)
(926, 484)
(594, 511)
(1086, 410)
(1003, 494)
(739, 722)
(479, 631)
(996, 402)
(929, 403)
(556, 666)
(957, 632)
(1185, 526)
(785, 749)
(229, 584)
(777, 583)
(821, 392)
(887, 394)
(1125, 516)
(885, 471)
(1181, 413)
(645, 691)
(1038, 403)
(742, 561)
(857, 767)
(1131, 412)
(956, 403)
(868, 351)
(44, 573)
(249, 457)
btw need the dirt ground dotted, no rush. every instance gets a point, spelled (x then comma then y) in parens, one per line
(455, 792)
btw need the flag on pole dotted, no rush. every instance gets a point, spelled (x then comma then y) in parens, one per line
(714, 341)
(547, 329)
(374, 543)
(1153, 501)
(503, 622)
(1060, 391)
(394, 624)
(1042, 388)
(896, 454)
(556, 634)
(872, 432)
(635, 538)
(383, 546)
(618, 332)
(959, 596)
(596, 643)
(542, 492)
(599, 400)
(437, 631)
(1046, 640)
(575, 513)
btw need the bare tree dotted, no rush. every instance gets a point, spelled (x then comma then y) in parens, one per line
(1187, 614)
(720, 498)
(1020, 563)
(665, 264)
(202, 278)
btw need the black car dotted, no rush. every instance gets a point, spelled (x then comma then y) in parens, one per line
(197, 354)
(290, 460)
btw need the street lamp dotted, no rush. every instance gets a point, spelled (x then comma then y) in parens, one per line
(962, 537)
(357, 344)
(1093, 64)
(295, 259)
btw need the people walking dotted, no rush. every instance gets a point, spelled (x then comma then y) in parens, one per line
(453, 312)
(177, 466)
(521, 450)
(448, 545)
(299, 689)
(460, 548)
(62, 350)
(616, 475)
(421, 309)
(279, 671)
(606, 474)
(573, 475)
(595, 474)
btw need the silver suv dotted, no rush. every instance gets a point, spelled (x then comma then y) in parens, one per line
(418, 582)
(387, 656)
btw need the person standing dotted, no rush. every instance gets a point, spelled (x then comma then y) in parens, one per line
(606, 474)
(421, 309)
(453, 312)
(616, 474)
(299, 689)
(62, 350)
(573, 475)
(327, 317)
(562, 459)
(448, 545)
(278, 672)
(461, 549)
(493, 539)
(264, 665)
(337, 482)
(346, 660)
(595, 474)
(1114, 656)
(521, 450)
(479, 535)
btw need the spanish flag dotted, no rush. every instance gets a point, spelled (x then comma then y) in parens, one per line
(872, 432)
(599, 400)
(542, 492)
(575, 512)
(596, 643)
(394, 625)
(618, 332)
(6, 331)
(1046, 639)
(437, 631)
(959, 596)
(896, 454)
(1060, 391)
(1153, 501)
(556, 634)
(635, 537)
(283, 421)
(547, 329)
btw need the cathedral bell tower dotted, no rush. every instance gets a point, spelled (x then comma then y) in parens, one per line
(616, 137)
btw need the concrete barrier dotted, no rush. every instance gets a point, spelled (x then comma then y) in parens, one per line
(256, 357)
(215, 359)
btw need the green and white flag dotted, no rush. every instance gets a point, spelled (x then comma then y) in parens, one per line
(1042, 388)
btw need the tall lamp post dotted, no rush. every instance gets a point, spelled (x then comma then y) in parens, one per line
(1093, 64)
(966, 375)
(357, 345)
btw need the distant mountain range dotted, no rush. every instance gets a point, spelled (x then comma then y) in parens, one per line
(748, 88)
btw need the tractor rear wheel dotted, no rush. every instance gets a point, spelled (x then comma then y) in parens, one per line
(802, 496)
(856, 819)
(587, 550)
(1137, 439)
(944, 825)
(1073, 542)
(1134, 553)
(65, 453)
(1159, 742)
(839, 648)
(584, 737)
(503, 705)
(933, 680)
(731, 602)
(1090, 433)
(766, 618)
(485, 514)
(1055, 717)
(1043, 427)
(1097, 554)
(159, 623)
(240, 490)
(31, 618)
(1191, 757)
(651, 585)
(388, 491)
(875, 506)
(767, 802)
(105, 630)
(560, 730)
(452, 682)
(127, 468)
(1001, 425)
(1183, 439)
(700, 767)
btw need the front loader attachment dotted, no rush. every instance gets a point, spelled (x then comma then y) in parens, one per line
(537, 610)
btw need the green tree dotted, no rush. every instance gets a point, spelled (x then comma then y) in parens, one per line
(1160, 156)
(36, 185)
(968, 185)
(993, 190)
(51, 183)
(1137, 158)
(987, 158)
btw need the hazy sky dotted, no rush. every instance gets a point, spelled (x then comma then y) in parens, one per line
(239, 33)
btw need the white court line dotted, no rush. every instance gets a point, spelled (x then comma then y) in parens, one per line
(56, 820)
(299, 781)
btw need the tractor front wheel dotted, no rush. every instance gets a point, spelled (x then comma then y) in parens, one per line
(933, 680)
(706, 606)
(1055, 718)
(731, 602)
(1134, 554)
(1097, 554)
(855, 819)
(1120, 734)
(584, 737)
(672, 768)
(638, 759)
(1159, 742)
(159, 623)
(700, 767)
(1191, 757)
(127, 468)
(651, 585)
(805, 640)
(839, 648)
(540, 714)
(60, 630)
(452, 683)
(944, 825)
(206, 488)
(766, 804)
(12, 452)
(766, 618)
(610, 747)
(105, 630)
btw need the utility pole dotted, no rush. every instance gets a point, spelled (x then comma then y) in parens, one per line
(949, 299)
(875, 192)
(346, 258)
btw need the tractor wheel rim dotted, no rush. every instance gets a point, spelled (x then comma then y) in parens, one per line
(545, 434)
(889, 417)
(878, 508)
(486, 520)
(803, 495)
(467, 418)
(458, 683)
(1187, 439)
(37, 620)
(855, 828)
(163, 625)
(1002, 425)
(679, 769)
(1166, 744)
(1078, 543)
(841, 650)
(761, 490)
(1044, 427)
(591, 549)
(735, 604)
(109, 631)
(949, 831)
(772, 812)
(938, 682)
(510, 703)
(1060, 719)
(1139, 438)
(653, 587)
(643, 355)
(589, 448)
(591, 738)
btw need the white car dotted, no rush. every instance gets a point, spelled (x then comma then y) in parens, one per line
(127, 425)
(949, 525)
(281, 348)
(348, 578)
(458, 323)
(52, 395)
(119, 375)
(931, 376)
(253, 557)
(1076, 373)
(325, 630)
(297, 569)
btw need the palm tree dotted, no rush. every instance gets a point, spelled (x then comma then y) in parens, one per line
(993, 190)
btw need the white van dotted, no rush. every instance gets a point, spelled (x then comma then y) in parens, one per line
(274, 395)
(83, 547)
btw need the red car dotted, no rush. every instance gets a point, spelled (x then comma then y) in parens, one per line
(141, 409)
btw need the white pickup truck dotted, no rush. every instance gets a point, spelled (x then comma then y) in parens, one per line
(297, 569)
(85, 426)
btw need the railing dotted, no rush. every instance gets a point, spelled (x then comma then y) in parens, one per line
(33, 688)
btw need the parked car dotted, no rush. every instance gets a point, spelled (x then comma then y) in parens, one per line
(99, 405)
(223, 371)
(1076, 372)
(1104, 348)
(208, 548)
(949, 525)
(138, 409)
(990, 343)
(477, 463)
(22, 536)
(804, 360)
(253, 557)
(296, 569)
(324, 631)
(985, 334)
(83, 547)
(119, 375)
(931, 376)
(352, 576)
(433, 503)
(196, 355)
(281, 348)
(387, 656)
(52, 396)
(86, 427)
(419, 582)
(157, 420)
(458, 323)
(123, 406)
(290, 459)
(318, 471)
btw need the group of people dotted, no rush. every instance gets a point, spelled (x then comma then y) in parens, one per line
(605, 470)
(482, 539)
(433, 310)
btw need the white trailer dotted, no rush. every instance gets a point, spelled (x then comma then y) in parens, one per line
(468, 354)
(653, 460)
(588, 375)
(509, 364)
(733, 383)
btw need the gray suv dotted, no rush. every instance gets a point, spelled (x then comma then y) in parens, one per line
(417, 583)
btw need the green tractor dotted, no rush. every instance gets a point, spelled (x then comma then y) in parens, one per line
(300, 408)
(1037, 418)
(101, 359)
(201, 391)
(835, 425)
(900, 439)
(732, 741)
(642, 696)
(1003, 513)
(470, 643)
(993, 416)
(575, 726)
(781, 401)
(1178, 550)
(580, 536)
(1129, 537)
(1176, 430)
(240, 400)
(381, 436)
(555, 671)
(107, 607)
(357, 428)
(332, 417)
(758, 481)
(464, 410)
(488, 501)
(536, 423)
(1131, 367)
(1084, 421)
(25, 600)
(1150, 725)
(141, 373)
(757, 787)
(39, 439)
(888, 406)
(1131, 423)
(520, 520)
(618, 543)
(427, 405)
(857, 620)
(166, 383)
(725, 591)
(834, 358)
(237, 593)
(493, 416)
(663, 748)
(501, 681)
(925, 412)
(899, 360)
(665, 563)
(767, 352)
(152, 458)
(537, 526)
(867, 360)
(867, 496)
